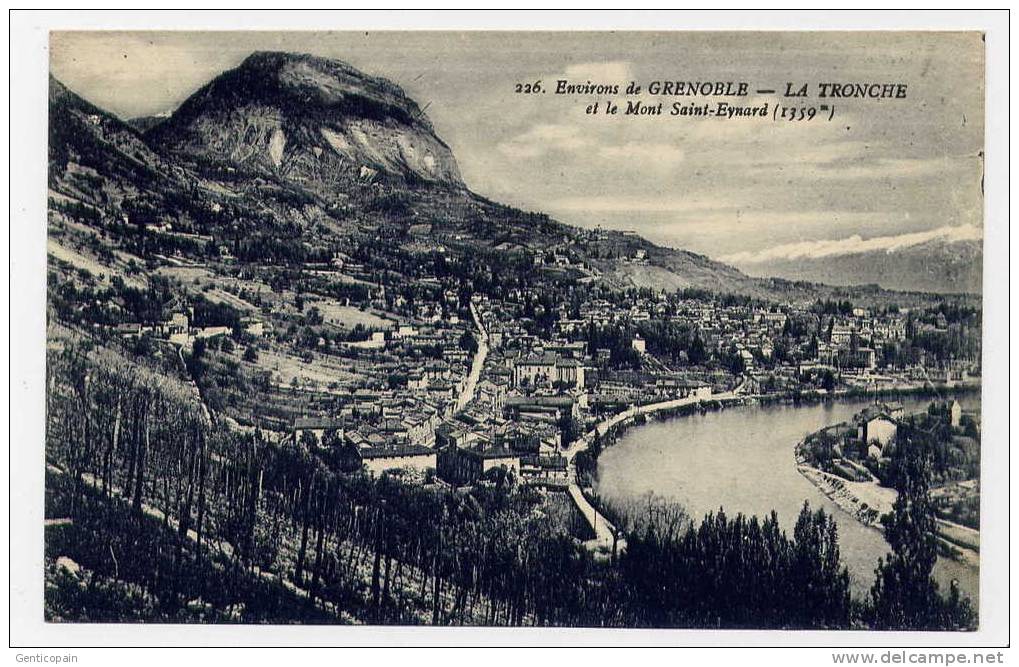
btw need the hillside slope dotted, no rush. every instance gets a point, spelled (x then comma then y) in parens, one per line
(96, 157)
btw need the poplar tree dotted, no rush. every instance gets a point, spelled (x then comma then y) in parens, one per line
(905, 595)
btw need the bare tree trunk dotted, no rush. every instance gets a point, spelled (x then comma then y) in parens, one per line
(377, 562)
(184, 524)
(305, 494)
(132, 450)
(436, 594)
(140, 473)
(110, 451)
(386, 579)
(317, 567)
(201, 489)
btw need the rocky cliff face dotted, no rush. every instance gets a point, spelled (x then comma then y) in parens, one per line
(318, 123)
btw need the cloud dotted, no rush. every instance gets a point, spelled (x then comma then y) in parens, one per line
(906, 168)
(545, 138)
(632, 204)
(550, 137)
(647, 154)
(855, 244)
(608, 73)
(136, 73)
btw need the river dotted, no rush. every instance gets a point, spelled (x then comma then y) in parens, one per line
(742, 459)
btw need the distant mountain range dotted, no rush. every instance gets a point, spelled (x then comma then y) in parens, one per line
(297, 154)
(949, 266)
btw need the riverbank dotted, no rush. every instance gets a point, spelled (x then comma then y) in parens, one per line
(611, 428)
(868, 501)
(607, 431)
(741, 459)
(864, 501)
(925, 390)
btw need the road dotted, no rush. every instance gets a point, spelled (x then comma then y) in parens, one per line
(471, 387)
(604, 539)
(605, 533)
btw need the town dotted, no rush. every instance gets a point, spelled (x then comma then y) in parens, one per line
(428, 380)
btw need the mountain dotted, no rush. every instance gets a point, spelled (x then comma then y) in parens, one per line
(93, 155)
(317, 123)
(351, 145)
(937, 265)
(146, 123)
(103, 175)
(288, 159)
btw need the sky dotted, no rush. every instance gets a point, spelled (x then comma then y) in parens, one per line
(882, 174)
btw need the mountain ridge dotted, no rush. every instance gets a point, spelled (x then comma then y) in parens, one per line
(217, 163)
(95, 140)
(944, 266)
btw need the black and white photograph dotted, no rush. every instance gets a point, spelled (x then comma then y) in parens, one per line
(619, 330)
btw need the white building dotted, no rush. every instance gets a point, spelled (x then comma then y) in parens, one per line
(876, 427)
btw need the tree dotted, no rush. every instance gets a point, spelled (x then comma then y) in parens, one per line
(195, 363)
(309, 441)
(314, 316)
(733, 572)
(904, 595)
(821, 581)
(697, 354)
(143, 346)
(735, 363)
(468, 342)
